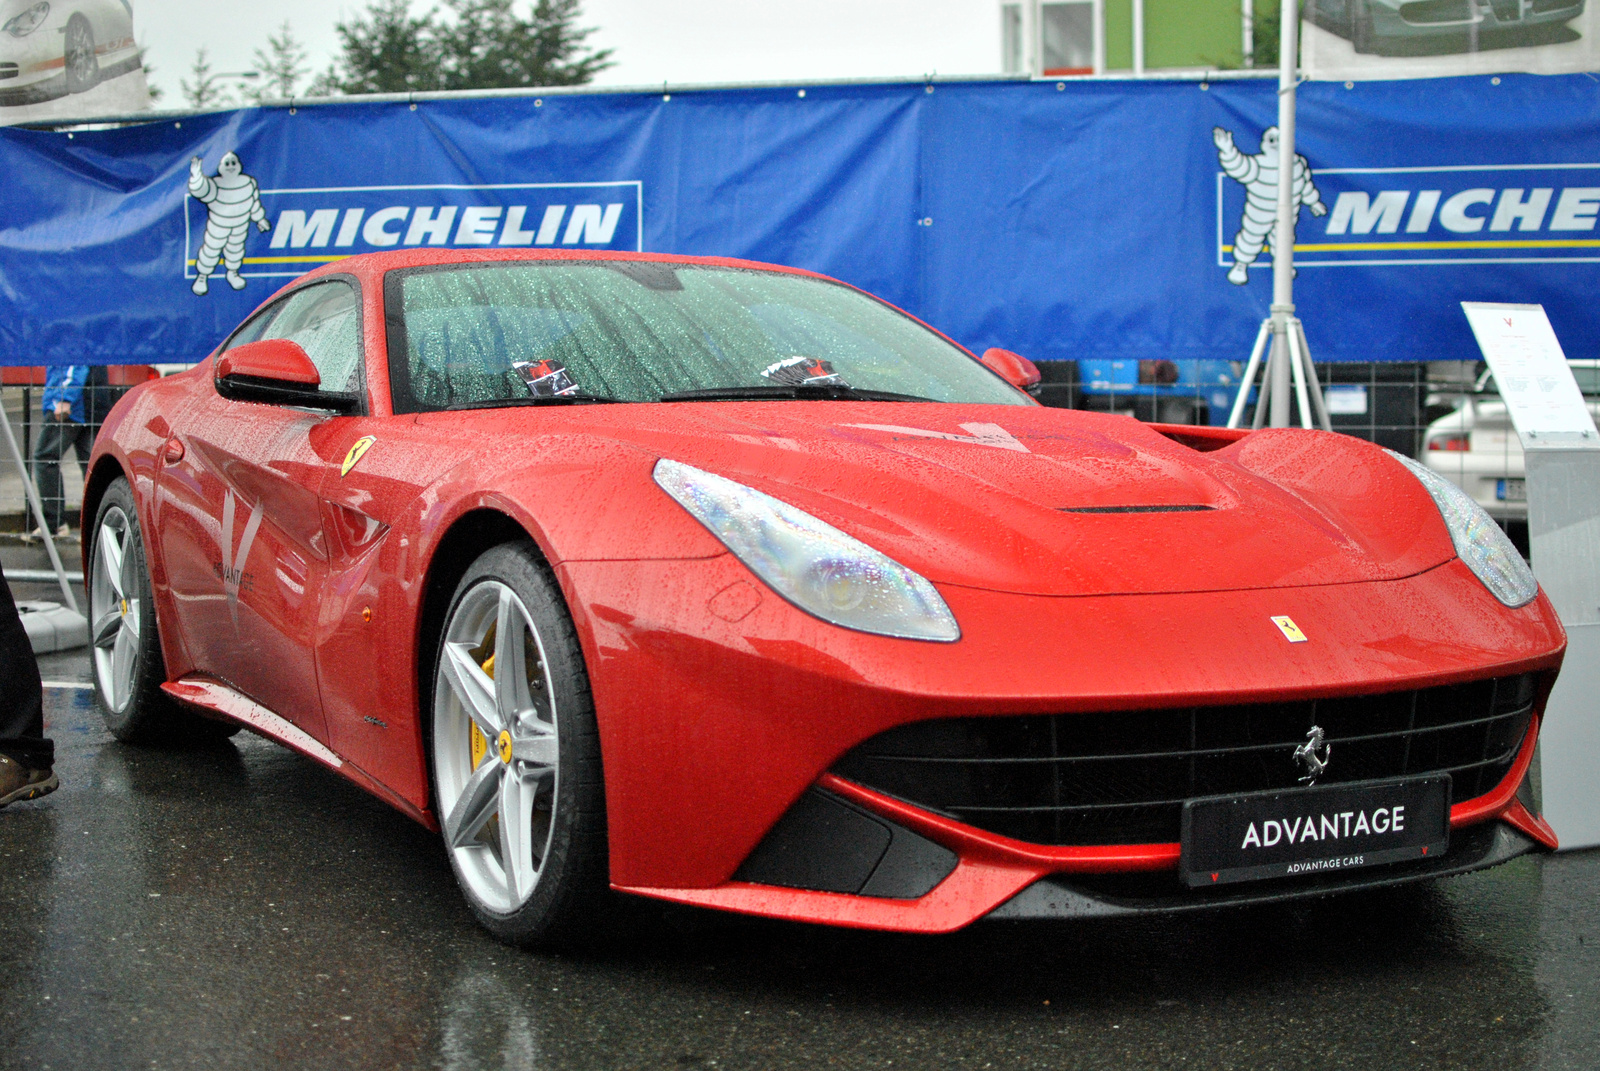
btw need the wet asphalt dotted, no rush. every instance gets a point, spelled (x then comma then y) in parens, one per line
(237, 906)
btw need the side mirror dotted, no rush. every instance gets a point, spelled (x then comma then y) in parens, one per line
(1014, 368)
(278, 372)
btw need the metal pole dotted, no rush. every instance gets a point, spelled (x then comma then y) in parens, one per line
(1317, 404)
(1099, 37)
(1297, 361)
(1138, 38)
(1247, 27)
(38, 511)
(1283, 233)
(1278, 375)
(1249, 376)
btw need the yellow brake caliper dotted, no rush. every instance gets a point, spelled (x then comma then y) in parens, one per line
(480, 743)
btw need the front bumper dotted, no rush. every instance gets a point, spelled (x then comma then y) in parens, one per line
(998, 878)
(717, 713)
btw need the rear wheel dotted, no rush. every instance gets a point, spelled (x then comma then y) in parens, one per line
(516, 754)
(125, 645)
(82, 64)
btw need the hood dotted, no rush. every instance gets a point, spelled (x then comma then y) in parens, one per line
(1056, 502)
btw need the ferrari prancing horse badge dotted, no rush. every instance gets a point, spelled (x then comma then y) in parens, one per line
(357, 452)
(1290, 630)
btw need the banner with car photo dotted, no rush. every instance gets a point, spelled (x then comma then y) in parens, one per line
(66, 58)
(1103, 220)
(1362, 39)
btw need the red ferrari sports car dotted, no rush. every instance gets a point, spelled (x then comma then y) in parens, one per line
(731, 585)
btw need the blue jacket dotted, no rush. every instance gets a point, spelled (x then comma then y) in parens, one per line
(64, 383)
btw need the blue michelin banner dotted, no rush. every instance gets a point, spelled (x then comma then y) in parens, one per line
(1100, 221)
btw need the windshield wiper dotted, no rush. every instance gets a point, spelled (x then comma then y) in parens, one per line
(821, 392)
(553, 399)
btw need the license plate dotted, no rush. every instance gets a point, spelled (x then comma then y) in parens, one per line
(1309, 831)
(1511, 490)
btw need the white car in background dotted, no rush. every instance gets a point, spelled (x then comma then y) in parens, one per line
(49, 48)
(1477, 448)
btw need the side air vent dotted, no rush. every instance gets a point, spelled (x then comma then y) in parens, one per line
(827, 843)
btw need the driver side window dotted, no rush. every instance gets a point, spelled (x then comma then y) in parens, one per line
(325, 320)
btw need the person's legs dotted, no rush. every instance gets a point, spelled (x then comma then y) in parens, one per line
(53, 441)
(26, 754)
(82, 439)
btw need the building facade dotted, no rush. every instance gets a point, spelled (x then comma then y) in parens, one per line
(1059, 38)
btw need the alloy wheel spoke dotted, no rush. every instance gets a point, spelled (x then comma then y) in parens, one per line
(476, 804)
(473, 688)
(516, 846)
(510, 662)
(108, 628)
(122, 656)
(111, 547)
(133, 620)
(538, 750)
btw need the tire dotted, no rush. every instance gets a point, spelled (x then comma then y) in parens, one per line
(1361, 32)
(124, 637)
(523, 744)
(82, 64)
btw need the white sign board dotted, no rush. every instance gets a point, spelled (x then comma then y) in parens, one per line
(1532, 375)
(1342, 39)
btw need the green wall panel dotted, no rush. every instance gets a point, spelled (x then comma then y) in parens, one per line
(1179, 33)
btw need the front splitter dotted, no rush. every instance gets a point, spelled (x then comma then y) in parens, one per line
(1062, 896)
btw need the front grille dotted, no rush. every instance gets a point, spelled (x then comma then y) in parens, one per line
(1507, 10)
(1120, 777)
(1541, 7)
(1428, 12)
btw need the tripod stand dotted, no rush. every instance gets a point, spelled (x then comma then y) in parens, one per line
(1289, 357)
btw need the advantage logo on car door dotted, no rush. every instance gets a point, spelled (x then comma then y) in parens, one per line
(231, 570)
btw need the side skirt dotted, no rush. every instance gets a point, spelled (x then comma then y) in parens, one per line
(214, 698)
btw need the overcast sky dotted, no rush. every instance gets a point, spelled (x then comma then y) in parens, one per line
(654, 40)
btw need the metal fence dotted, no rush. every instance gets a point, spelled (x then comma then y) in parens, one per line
(1393, 404)
(1425, 410)
(21, 398)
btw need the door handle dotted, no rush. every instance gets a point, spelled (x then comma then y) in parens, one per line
(172, 451)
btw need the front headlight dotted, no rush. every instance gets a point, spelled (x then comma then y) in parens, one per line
(27, 22)
(1479, 541)
(813, 565)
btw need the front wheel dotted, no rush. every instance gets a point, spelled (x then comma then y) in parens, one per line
(516, 754)
(81, 62)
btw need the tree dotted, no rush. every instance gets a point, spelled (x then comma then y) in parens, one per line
(476, 44)
(205, 91)
(281, 66)
(156, 91)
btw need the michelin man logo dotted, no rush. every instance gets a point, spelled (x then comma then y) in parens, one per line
(232, 201)
(1259, 176)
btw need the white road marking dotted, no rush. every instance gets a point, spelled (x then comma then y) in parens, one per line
(82, 686)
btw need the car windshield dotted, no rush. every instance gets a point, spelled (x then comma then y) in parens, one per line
(637, 331)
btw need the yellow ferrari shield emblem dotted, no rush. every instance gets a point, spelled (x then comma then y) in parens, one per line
(1290, 630)
(357, 452)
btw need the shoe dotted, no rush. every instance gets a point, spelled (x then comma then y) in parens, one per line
(18, 783)
(235, 280)
(64, 532)
(200, 285)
